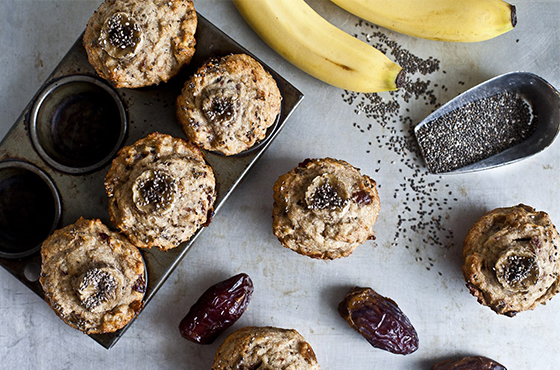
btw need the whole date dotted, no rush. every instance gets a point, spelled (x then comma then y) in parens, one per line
(469, 363)
(379, 320)
(217, 309)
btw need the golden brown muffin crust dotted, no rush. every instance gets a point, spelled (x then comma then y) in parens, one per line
(324, 208)
(228, 104)
(511, 259)
(93, 278)
(161, 191)
(265, 348)
(137, 43)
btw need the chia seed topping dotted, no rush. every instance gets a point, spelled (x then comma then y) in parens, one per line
(96, 287)
(122, 31)
(154, 190)
(519, 272)
(120, 36)
(219, 109)
(326, 197)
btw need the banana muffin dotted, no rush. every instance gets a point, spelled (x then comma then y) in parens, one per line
(93, 278)
(324, 208)
(137, 43)
(228, 104)
(161, 191)
(511, 259)
(265, 348)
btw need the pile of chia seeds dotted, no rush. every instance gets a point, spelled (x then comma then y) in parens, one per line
(475, 131)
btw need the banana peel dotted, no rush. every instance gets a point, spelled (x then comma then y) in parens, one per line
(442, 20)
(308, 41)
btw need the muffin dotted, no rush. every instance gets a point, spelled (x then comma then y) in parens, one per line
(228, 104)
(511, 259)
(93, 278)
(265, 348)
(324, 208)
(161, 191)
(137, 43)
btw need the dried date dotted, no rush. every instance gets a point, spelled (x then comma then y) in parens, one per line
(379, 320)
(217, 309)
(469, 363)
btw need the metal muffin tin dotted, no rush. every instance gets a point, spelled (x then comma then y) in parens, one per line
(52, 173)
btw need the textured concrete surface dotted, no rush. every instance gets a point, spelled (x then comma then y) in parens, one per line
(416, 258)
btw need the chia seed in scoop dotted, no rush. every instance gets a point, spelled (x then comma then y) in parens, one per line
(503, 120)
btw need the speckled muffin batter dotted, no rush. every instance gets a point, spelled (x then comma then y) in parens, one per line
(511, 259)
(136, 43)
(161, 191)
(228, 104)
(324, 208)
(93, 278)
(265, 348)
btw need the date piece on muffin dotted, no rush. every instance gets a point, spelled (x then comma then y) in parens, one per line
(228, 104)
(93, 278)
(511, 259)
(137, 43)
(265, 348)
(324, 208)
(161, 191)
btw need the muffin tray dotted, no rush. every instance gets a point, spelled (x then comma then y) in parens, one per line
(54, 159)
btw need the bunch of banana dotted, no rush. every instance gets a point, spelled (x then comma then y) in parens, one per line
(443, 20)
(300, 35)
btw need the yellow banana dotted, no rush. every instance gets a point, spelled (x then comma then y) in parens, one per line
(443, 20)
(308, 41)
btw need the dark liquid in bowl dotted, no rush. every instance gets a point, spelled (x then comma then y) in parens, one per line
(85, 128)
(27, 211)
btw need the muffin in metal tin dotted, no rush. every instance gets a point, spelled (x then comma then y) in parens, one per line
(324, 208)
(511, 261)
(161, 191)
(93, 278)
(228, 104)
(137, 43)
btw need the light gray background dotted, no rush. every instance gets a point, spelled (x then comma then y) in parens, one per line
(420, 269)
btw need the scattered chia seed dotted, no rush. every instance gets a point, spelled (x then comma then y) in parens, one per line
(389, 119)
(475, 131)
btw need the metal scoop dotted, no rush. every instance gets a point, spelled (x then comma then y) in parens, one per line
(543, 99)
